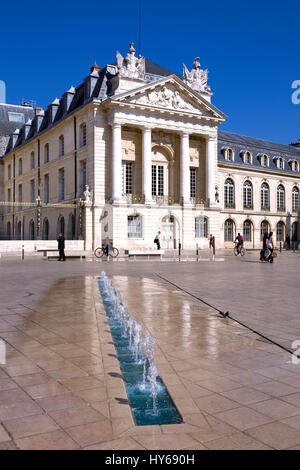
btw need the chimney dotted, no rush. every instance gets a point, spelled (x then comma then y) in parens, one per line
(39, 113)
(90, 83)
(95, 68)
(27, 127)
(53, 107)
(67, 99)
(296, 144)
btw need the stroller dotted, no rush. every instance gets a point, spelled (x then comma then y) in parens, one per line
(265, 255)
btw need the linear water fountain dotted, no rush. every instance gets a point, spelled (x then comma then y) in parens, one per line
(148, 397)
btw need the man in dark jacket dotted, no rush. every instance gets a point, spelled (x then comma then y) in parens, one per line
(61, 247)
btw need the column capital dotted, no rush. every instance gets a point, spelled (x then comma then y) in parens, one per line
(184, 133)
(115, 124)
(146, 128)
(211, 138)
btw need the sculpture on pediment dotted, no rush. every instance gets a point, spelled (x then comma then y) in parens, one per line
(165, 97)
(131, 66)
(196, 78)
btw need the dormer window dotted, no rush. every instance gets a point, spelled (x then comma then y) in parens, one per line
(279, 161)
(264, 159)
(246, 156)
(228, 153)
(294, 165)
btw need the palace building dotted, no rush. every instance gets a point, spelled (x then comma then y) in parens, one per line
(136, 149)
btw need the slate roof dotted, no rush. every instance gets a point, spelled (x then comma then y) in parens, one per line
(241, 143)
(7, 127)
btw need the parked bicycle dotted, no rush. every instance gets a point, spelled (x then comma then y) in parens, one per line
(106, 250)
(239, 250)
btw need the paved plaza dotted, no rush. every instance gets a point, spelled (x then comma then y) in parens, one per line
(61, 387)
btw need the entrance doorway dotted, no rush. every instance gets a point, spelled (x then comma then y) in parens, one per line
(169, 232)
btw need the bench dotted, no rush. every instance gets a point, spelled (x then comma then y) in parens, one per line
(68, 256)
(144, 252)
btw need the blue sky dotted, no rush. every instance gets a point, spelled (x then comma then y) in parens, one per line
(251, 49)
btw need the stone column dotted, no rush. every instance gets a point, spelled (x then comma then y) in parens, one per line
(147, 165)
(210, 170)
(88, 227)
(116, 163)
(185, 168)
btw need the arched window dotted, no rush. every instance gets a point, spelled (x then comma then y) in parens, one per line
(247, 231)
(19, 230)
(295, 199)
(247, 195)
(61, 225)
(32, 161)
(71, 227)
(264, 228)
(134, 226)
(230, 155)
(229, 193)
(61, 184)
(280, 232)
(228, 230)
(82, 135)
(248, 158)
(46, 153)
(20, 166)
(264, 160)
(46, 229)
(201, 227)
(280, 198)
(265, 196)
(8, 231)
(61, 146)
(31, 230)
(295, 232)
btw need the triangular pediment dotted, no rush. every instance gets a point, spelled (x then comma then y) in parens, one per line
(170, 94)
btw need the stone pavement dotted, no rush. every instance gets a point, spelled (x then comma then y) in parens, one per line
(60, 387)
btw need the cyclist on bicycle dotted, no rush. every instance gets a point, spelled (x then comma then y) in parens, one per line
(239, 241)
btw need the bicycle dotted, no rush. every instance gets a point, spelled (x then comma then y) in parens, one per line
(100, 251)
(239, 250)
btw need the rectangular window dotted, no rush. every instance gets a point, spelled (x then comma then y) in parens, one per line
(20, 196)
(16, 117)
(157, 180)
(46, 153)
(201, 227)
(9, 172)
(134, 226)
(9, 199)
(46, 189)
(20, 166)
(32, 161)
(82, 183)
(127, 177)
(83, 135)
(193, 182)
(61, 184)
(32, 191)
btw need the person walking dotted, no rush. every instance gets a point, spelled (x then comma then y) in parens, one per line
(157, 240)
(263, 253)
(271, 247)
(61, 247)
(211, 241)
(288, 242)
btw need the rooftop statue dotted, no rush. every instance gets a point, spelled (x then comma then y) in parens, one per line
(196, 78)
(131, 66)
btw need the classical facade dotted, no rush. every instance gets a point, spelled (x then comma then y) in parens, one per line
(135, 149)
